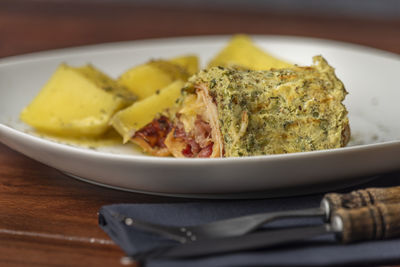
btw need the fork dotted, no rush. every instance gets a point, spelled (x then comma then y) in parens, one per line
(249, 223)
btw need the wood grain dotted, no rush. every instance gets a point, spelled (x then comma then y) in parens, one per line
(363, 197)
(373, 222)
(49, 219)
(27, 26)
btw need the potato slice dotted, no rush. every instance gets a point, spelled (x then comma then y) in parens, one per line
(144, 80)
(139, 114)
(76, 102)
(242, 52)
(190, 63)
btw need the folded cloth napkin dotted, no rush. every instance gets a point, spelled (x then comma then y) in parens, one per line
(321, 251)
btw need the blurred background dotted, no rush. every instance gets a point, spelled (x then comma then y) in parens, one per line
(34, 25)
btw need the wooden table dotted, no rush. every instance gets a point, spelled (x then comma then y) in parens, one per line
(49, 219)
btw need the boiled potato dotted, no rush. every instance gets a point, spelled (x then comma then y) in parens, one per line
(76, 102)
(140, 113)
(144, 80)
(242, 52)
(190, 63)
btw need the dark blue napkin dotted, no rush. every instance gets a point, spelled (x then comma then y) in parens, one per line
(321, 251)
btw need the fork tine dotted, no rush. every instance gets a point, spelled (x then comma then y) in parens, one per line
(223, 228)
(175, 233)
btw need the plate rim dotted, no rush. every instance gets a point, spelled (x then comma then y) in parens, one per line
(179, 164)
(51, 53)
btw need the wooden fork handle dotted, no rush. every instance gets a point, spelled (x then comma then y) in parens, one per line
(379, 221)
(361, 198)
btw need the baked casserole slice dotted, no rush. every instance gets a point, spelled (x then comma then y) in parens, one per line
(227, 112)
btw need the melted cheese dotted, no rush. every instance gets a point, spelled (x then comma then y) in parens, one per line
(200, 104)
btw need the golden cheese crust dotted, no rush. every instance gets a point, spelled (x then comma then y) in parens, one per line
(277, 111)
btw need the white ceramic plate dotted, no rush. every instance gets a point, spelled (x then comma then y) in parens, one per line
(371, 76)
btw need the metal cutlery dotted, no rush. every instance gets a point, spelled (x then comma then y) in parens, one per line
(238, 226)
(373, 222)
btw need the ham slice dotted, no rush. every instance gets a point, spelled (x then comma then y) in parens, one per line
(151, 137)
(194, 134)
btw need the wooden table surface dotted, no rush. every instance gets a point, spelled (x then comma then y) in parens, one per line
(49, 219)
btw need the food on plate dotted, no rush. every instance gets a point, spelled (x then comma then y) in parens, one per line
(241, 52)
(141, 113)
(246, 103)
(226, 112)
(76, 102)
(189, 62)
(144, 80)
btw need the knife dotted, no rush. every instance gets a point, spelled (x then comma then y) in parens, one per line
(374, 222)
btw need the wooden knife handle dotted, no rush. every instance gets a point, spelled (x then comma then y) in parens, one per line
(360, 198)
(379, 221)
